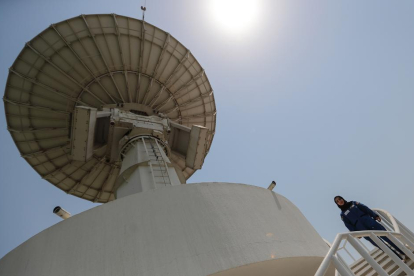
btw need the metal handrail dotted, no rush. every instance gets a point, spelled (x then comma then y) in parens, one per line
(387, 217)
(387, 220)
(394, 224)
(352, 238)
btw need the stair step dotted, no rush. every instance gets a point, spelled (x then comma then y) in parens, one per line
(363, 265)
(375, 253)
(385, 262)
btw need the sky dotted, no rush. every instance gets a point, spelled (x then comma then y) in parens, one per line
(317, 95)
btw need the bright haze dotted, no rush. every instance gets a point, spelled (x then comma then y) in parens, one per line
(317, 95)
(236, 17)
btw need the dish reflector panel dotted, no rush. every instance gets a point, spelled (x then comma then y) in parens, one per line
(100, 61)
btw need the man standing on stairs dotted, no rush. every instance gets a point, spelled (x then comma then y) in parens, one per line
(358, 217)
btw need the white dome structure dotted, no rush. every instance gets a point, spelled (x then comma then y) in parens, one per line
(199, 229)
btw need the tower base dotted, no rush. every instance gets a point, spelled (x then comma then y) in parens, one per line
(201, 229)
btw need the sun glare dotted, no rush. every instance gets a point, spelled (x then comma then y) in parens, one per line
(235, 15)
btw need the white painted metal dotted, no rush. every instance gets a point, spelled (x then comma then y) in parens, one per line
(393, 224)
(219, 229)
(391, 254)
(272, 186)
(83, 132)
(344, 264)
(388, 221)
(365, 254)
(401, 242)
(196, 147)
(101, 60)
(145, 166)
(340, 267)
(327, 261)
(405, 243)
(403, 237)
(62, 213)
(408, 234)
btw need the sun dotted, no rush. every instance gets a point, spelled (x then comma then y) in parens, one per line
(235, 15)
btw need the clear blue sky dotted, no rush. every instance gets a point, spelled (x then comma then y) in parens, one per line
(317, 95)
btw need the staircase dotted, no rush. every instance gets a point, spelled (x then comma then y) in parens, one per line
(371, 262)
(362, 268)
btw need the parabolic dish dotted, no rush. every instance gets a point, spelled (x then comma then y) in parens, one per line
(99, 60)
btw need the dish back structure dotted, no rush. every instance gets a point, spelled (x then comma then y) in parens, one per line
(95, 64)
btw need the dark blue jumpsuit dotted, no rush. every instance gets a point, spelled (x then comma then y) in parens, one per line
(359, 218)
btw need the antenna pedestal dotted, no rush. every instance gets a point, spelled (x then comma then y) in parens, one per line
(139, 143)
(145, 166)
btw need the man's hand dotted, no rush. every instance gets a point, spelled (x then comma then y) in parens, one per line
(378, 219)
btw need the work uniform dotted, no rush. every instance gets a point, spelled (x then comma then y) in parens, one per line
(359, 217)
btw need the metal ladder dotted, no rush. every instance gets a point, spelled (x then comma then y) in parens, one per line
(159, 166)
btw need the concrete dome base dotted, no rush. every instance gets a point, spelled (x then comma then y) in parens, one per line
(293, 266)
(219, 229)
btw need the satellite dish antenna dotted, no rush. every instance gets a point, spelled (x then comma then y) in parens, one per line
(103, 106)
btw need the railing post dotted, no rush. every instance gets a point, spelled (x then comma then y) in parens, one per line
(358, 247)
(348, 269)
(405, 235)
(349, 254)
(342, 269)
(391, 219)
(392, 255)
(405, 231)
(407, 252)
(326, 262)
(386, 223)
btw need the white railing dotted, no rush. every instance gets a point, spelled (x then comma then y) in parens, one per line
(398, 233)
(393, 224)
(352, 238)
(388, 221)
